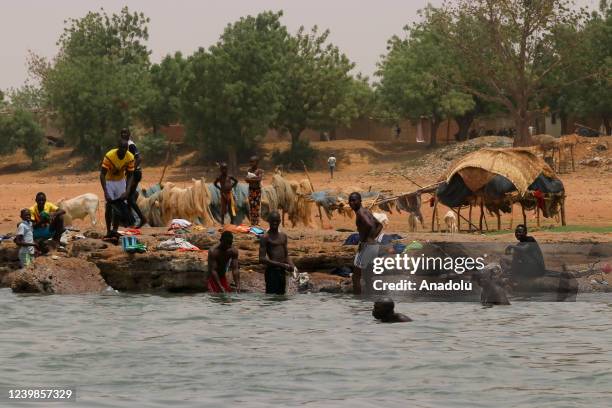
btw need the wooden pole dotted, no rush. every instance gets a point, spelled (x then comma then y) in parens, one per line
(312, 188)
(563, 210)
(461, 216)
(498, 221)
(458, 219)
(470, 218)
(524, 215)
(481, 216)
(538, 216)
(165, 166)
(433, 214)
(511, 215)
(572, 155)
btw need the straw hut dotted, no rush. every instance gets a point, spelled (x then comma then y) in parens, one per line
(496, 179)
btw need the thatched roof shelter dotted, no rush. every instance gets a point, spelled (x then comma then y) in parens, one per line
(498, 178)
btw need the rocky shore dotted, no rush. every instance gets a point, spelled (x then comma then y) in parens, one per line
(90, 265)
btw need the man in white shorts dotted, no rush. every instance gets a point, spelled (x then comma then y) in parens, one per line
(370, 234)
(116, 179)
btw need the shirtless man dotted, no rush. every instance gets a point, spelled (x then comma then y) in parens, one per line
(384, 310)
(369, 232)
(226, 183)
(221, 258)
(274, 254)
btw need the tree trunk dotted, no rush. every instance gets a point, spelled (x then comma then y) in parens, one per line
(295, 137)
(464, 122)
(521, 121)
(608, 126)
(563, 117)
(433, 131)
(232, 159)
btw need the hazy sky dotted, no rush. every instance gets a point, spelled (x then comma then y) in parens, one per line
(360, 28)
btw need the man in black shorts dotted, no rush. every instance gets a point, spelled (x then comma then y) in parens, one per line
(274, 254)
(136, 176)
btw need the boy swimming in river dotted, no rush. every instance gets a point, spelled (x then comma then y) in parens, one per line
(274, 254)
(384, 310)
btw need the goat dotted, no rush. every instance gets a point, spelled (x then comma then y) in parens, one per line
(79, 207)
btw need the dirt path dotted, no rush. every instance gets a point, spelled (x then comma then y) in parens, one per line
(362, 165)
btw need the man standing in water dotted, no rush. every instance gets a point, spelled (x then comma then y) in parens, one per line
(274, 254)
(221, 258)
(254, 177)
(136, 176)
(226, 183)
(370, 232)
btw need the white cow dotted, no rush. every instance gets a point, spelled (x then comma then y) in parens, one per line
(450, 219)
(79, 207)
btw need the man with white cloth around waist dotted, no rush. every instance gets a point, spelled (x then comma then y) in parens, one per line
(116, 179)
(370, 233)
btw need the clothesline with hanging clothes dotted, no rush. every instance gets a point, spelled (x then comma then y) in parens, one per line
(427, 189)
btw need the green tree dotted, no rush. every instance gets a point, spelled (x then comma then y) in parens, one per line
(162, 105)
(19, 128)
(98, 82)
(233, 91)
(582, 88)
(319, 93)
(504, 42)
(414, 78)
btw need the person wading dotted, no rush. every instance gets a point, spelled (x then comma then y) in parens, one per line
(136, 177)
(370, 231)
(116, 179)
(221, 258)
(384, 311)
(274, 254)
(226, 183)
(254, 178)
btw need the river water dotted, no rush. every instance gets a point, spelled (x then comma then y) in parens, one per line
(307, 350)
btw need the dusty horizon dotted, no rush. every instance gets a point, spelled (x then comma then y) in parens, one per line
(360, 28)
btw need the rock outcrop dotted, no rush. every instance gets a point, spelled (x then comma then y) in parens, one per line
(59, 275)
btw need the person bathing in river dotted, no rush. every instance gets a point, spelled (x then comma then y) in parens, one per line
(384, 310)
(222, 258)
(370, 232)
(226, 183)
(274, 254)
(527, 259)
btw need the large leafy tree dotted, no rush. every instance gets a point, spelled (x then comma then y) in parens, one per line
(582, 88)
(98, 82)
(318, 92)
(415, 75)
(19, 128)
(505, 42)
(162, 106)
(233, 91)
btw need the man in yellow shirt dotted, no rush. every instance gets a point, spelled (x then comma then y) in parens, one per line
(47, 219)
(116, 179)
